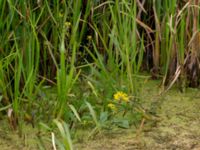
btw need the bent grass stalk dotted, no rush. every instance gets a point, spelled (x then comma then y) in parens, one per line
(66, 142)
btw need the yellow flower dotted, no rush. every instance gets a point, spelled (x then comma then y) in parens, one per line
(68, 24)
(60, 14)
(112, 107)
(89, 37)
(121, 96)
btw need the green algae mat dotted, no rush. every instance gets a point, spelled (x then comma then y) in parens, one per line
(178, 127)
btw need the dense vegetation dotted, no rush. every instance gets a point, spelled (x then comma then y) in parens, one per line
(80, 61)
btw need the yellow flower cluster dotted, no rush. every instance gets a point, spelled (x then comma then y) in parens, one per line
(112, 107)
(89, 37)
(121, 96)
(68, 24)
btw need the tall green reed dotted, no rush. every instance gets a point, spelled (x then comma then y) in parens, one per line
(66, 76)
(124, 39)
(37, 44)
(20, 55)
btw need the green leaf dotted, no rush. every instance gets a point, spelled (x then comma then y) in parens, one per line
(92, 112)
(75, 112)
(103, 116)
(64, 131)
(6, 107)
(122, 123)
(45, 126)
(1, 97)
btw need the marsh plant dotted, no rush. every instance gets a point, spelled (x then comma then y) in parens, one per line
(123, 110)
